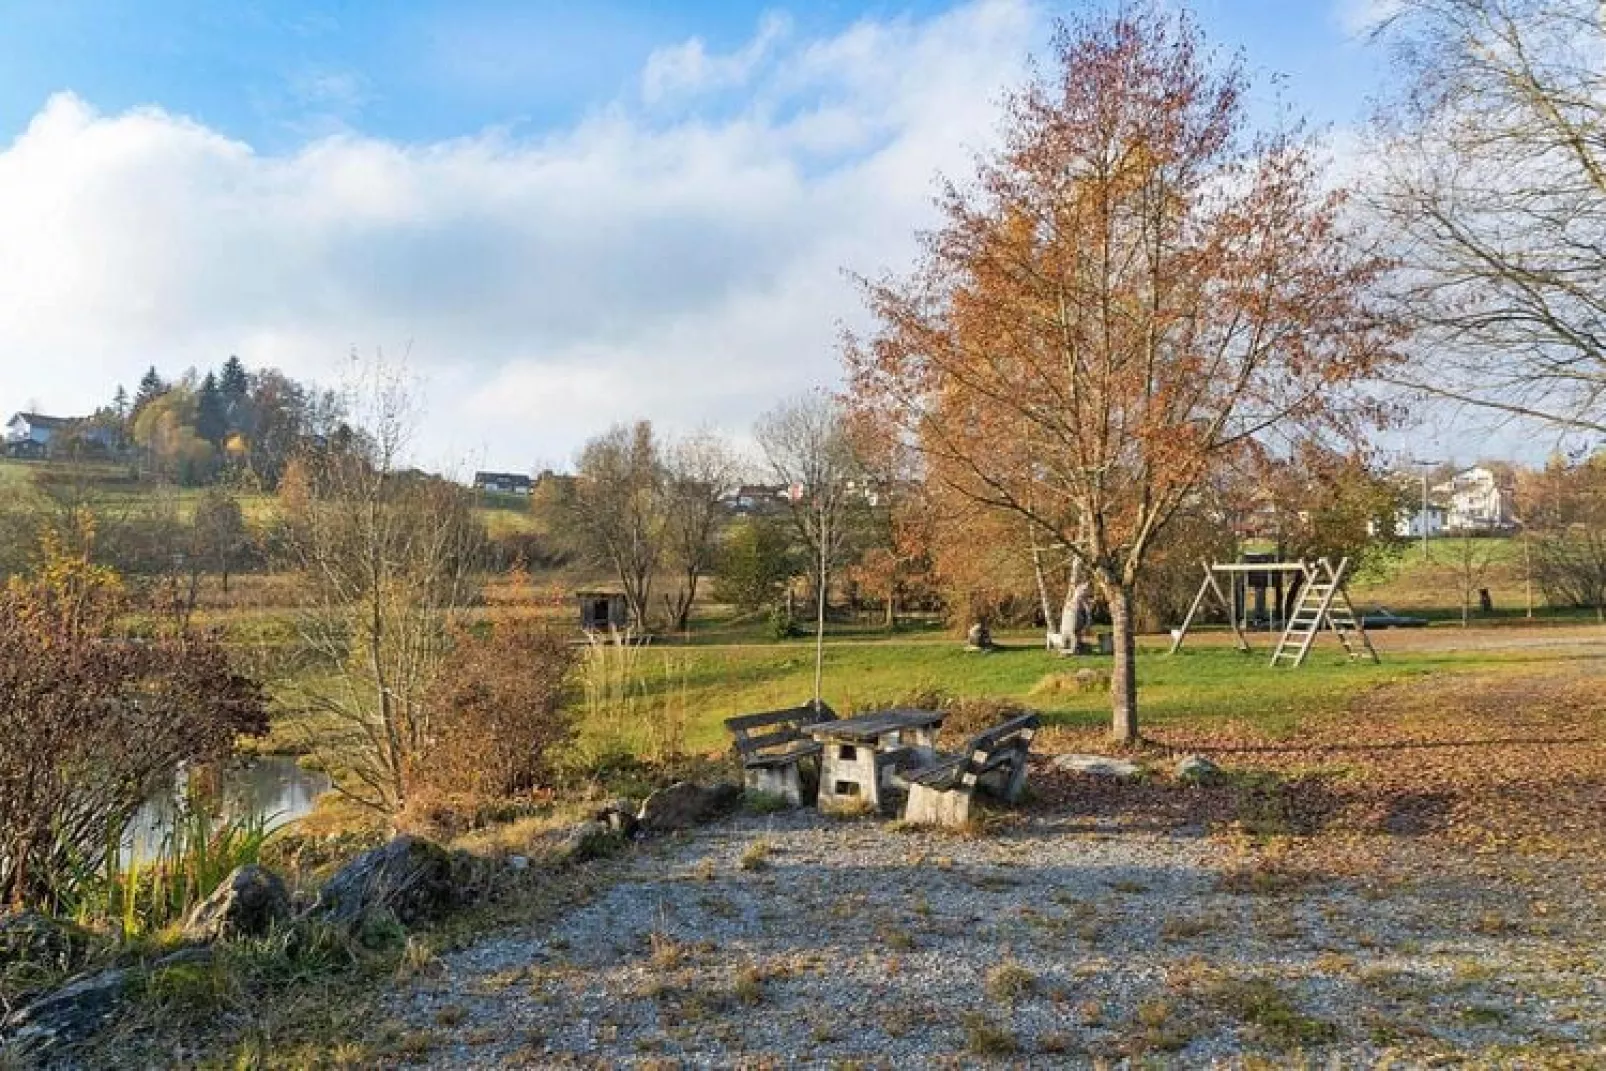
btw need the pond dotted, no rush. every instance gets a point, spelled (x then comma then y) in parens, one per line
(272, 787)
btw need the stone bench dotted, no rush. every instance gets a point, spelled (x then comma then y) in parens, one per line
(772, 747)
(941, 789)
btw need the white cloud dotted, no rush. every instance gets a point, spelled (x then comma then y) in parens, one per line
(689, 67)
(689, 270)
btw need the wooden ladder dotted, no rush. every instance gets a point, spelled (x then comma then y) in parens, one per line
(1323, 602)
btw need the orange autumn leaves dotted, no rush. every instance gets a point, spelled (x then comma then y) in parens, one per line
(1134, 287)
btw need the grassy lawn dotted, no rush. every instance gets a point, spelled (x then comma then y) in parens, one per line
(1431, 586)
(1202, 685)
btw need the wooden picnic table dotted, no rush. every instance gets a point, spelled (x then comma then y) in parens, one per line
(859, 753)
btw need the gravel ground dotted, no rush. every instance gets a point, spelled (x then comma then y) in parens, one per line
(792, 940)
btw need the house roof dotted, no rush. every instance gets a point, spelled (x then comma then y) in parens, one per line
(39, 420)
(501, 477)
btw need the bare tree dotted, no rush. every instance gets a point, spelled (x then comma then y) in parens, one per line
(808, 447)
(698, 471)
(1564, 532)
(616, 509)
(1470, 559)
(1493, 188)
(385, 555)
(218, 533)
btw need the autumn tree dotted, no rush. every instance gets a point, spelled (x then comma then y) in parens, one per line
(1493, 187)
(893, 524)
(1133, 285)
(94, 721)
(164, 430)
(1330, 503)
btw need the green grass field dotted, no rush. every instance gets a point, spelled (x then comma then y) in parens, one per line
(1208, 683)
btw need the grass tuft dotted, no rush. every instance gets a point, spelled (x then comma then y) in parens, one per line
(983, 1037)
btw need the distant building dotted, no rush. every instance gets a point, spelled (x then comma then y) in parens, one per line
(1414, 521)
(603, 611)
(33, 434)
(1476, 500)
(754, 498)
(503, 483)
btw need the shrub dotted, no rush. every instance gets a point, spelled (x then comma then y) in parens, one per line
(1009, 982)
(755, 564)
(93, 722)
(780, 623)
(500, 717)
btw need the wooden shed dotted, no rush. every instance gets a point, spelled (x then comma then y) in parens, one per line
(603, 611)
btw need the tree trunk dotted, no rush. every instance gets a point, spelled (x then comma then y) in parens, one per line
(1123, 675)
(819, 626)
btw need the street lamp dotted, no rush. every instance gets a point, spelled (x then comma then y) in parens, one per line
(1422, 518)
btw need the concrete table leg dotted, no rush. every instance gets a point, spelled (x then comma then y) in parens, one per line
(848, 776)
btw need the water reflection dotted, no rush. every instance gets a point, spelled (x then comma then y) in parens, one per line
(272, 787)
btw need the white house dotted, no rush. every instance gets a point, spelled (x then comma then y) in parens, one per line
(32, 434)
(1476, 500)
(1415, 521)
(33, 428)
(504, 483)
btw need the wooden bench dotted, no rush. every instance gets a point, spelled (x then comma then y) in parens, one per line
(940, 791)
(772, 748)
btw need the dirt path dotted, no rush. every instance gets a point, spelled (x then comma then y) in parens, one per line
(795, 940)
(1418, 877)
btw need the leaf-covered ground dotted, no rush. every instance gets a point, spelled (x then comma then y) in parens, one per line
(1512, 760)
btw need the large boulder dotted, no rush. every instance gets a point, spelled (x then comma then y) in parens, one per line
(249, 903)
(589, 840)
(979, 638)
(619, 816)
(65, 1017)
(685, 804)
(410, 878)
(1097, 766)
(1197, 770)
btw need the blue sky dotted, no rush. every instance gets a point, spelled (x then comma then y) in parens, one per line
(564, 214)
(277, 73)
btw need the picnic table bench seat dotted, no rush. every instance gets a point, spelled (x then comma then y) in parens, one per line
(772, 748)
(941, 789)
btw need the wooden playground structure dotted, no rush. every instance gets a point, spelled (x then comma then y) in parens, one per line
(1322, 603)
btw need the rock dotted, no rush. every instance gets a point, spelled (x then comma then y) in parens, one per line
(620, 816)
(979, 638)
(1097, 766)
(588, 840)
(28, 937)
(67, 1016)
(1197, 770)
(184, 957)
(249, 903)
(685, 804)
(518, 862)
(410, 878)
